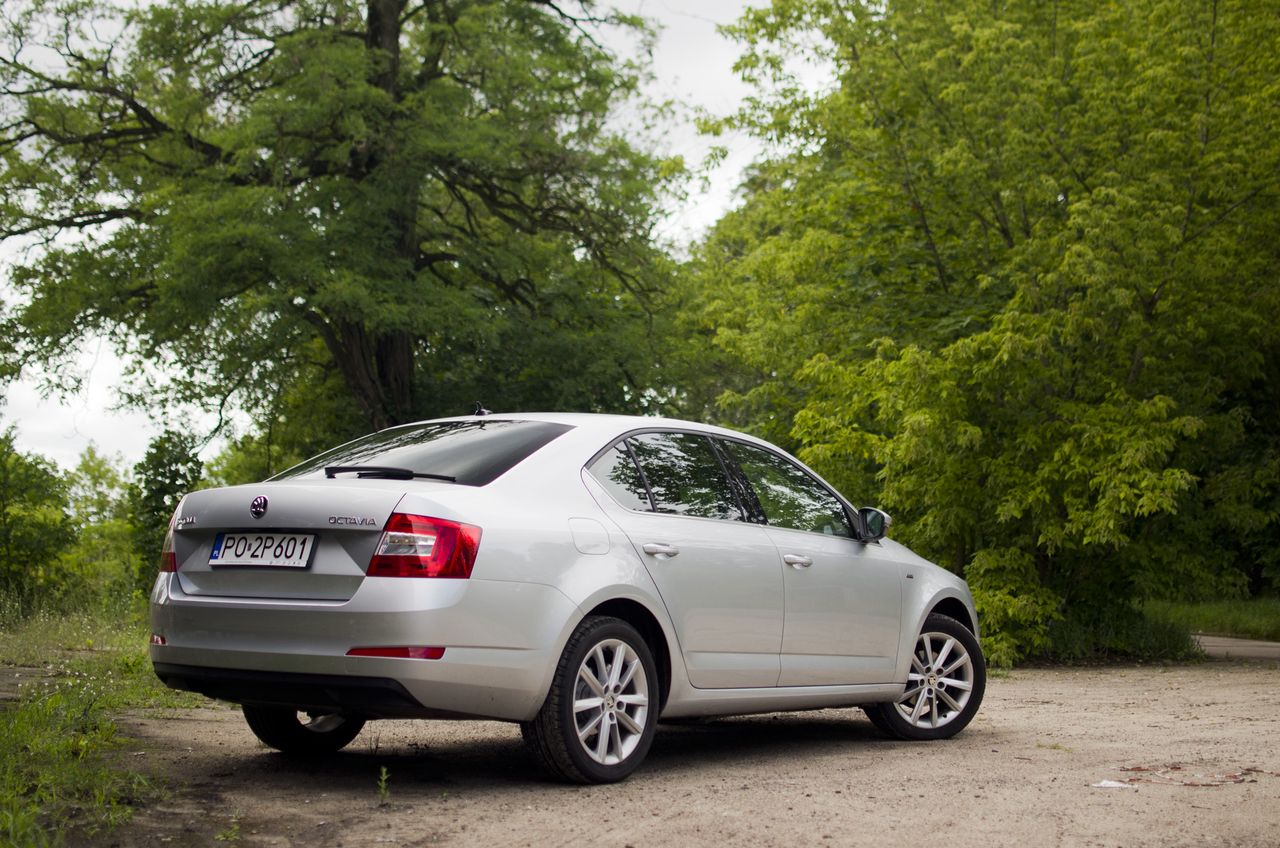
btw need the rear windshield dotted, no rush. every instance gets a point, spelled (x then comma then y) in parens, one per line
(473, 452)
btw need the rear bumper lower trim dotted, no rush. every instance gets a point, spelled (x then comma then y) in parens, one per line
(369, 697)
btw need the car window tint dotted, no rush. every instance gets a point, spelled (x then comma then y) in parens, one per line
(620, 477)
(474, 452)
(789, 495)
(685, 475)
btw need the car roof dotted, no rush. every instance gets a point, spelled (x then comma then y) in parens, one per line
(603, 424)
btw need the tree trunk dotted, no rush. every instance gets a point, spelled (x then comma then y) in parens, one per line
(377, 368)
(383, 33)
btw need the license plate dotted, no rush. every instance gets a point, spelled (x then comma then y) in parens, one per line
(285, 550)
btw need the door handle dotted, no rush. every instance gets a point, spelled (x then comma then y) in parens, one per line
(797, 561)
(661, 550)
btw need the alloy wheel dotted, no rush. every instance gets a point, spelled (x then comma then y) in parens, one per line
(939, 684)
(610, 702)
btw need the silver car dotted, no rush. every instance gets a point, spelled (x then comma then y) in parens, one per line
(583, 575)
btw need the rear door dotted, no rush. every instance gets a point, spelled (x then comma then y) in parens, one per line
(843, 602)
(718, 574)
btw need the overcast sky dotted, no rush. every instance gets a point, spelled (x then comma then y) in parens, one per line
(692, 62)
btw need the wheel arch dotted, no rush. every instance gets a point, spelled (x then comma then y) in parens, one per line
(938, 592)
(643, 620)
(955, 608)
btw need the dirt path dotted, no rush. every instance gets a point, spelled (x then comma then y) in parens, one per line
(1227, 648)
(1022, 774)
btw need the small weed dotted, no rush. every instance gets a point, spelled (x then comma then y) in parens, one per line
(384, 791)
(232, 833)
(1055, 746)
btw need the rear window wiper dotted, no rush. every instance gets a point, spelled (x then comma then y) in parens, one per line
(384, 472)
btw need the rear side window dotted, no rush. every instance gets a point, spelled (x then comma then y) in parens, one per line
(685, 475)
(621, 478)
(474, 452)
(789, 495)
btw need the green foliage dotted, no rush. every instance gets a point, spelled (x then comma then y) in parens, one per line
(249, 459)
(1016, 282)
(67, 541)
(1117, 632)
(56, 741)
(308, 416)
(231, 833)
(410, 207)
(101, 565)
(1015, 610)
(52, 745)
(384, 786)
(35, 528)
(168, 470)
(1255, 618)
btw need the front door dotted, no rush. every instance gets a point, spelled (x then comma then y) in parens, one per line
(843, 603)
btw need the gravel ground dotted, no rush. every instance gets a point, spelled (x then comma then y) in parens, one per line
(1022, 774)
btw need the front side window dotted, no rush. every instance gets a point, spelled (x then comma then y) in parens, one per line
(685, 476)
(789, 496)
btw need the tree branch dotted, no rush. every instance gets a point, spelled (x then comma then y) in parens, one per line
(77, 221)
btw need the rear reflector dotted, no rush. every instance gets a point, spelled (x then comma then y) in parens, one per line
(157, 639)
(401, 653)
(418, 546)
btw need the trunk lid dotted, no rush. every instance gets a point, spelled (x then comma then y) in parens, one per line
(344, 520)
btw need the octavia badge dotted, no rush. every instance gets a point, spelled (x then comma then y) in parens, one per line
(259, 506)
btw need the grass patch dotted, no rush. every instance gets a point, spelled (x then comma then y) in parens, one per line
(57, 738)
(1256, 618)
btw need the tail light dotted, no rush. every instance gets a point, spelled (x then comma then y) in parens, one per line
(169, 559)
(417, 546)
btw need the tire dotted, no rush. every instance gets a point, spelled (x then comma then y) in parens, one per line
(600, 716)
(944, 687)
(301, 734)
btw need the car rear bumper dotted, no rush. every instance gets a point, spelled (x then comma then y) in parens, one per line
(369, 697)
(501, 640)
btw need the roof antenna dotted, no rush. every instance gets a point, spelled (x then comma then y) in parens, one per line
(480, 410)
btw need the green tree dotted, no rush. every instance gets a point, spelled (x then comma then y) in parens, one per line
(104, 562)
(426, 198)
(97, 490)
(169, 469)
(1017, 282)
(249, 459)
(34, 525)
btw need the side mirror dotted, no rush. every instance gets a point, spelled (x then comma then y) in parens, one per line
(875, 522)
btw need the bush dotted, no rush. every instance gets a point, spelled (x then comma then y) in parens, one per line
(1117, 633)
(35, 527)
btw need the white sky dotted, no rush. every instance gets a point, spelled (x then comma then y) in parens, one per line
(692, 63)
